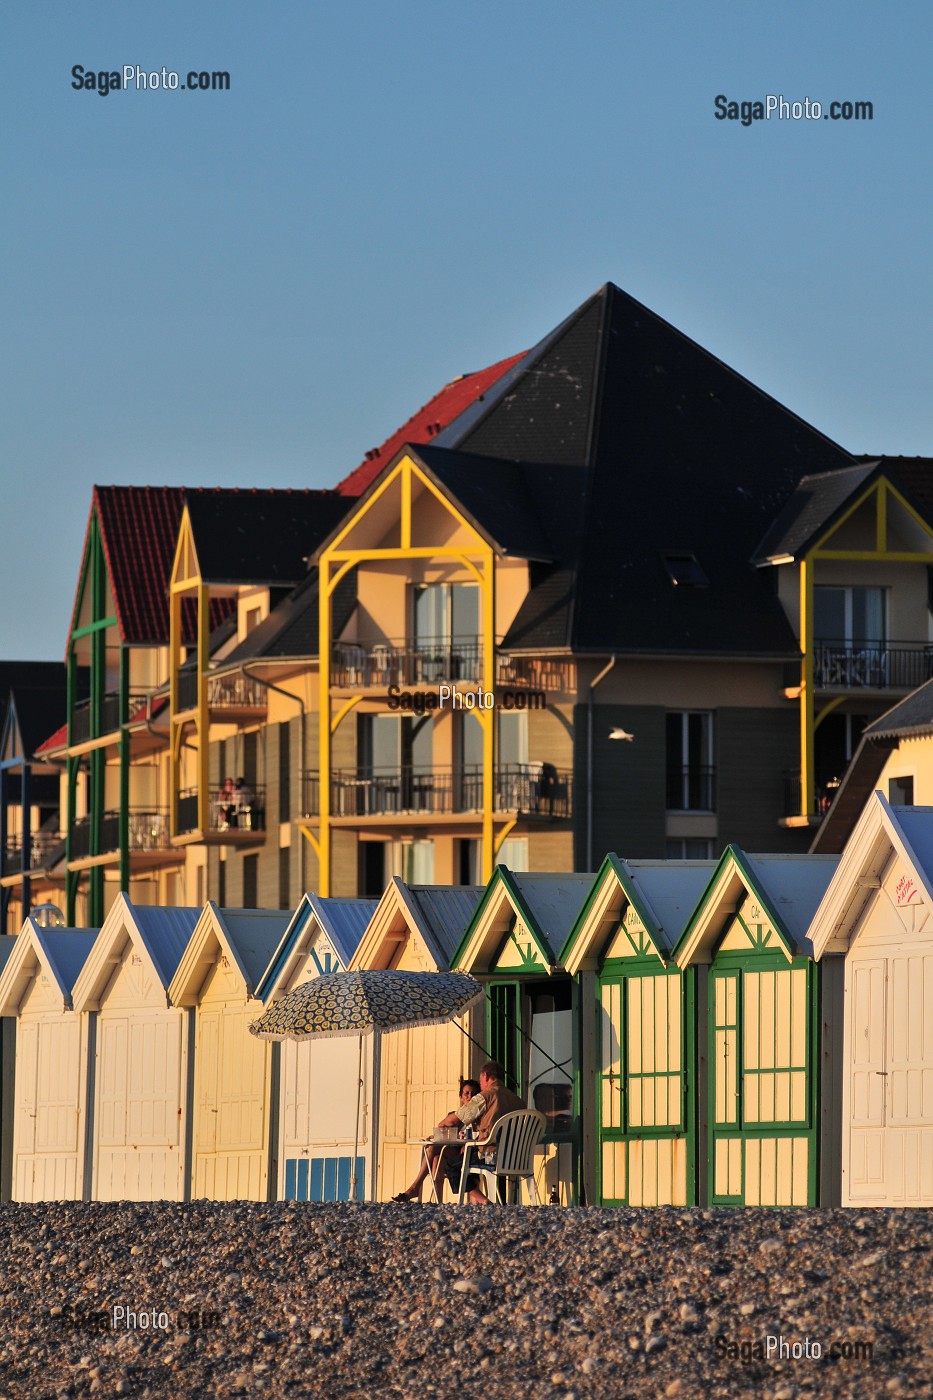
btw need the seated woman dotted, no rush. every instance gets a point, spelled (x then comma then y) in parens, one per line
(472, 1107)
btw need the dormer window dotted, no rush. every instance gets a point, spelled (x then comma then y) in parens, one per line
(683, 570)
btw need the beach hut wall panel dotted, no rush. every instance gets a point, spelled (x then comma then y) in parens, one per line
(417, 929)
(318, 1126)
(50, 1076)
(645, 1060)
(878, 916)
(533, 1008)
(764, 1030)
(7, 1082)
(140, 1143)
(235, 1076)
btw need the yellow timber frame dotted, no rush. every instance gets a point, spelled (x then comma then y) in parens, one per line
(883, 492)
(334, 564)
(185, 583)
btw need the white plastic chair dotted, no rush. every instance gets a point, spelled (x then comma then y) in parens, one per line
(515, 1137)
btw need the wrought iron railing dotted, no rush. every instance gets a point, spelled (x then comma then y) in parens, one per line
(532, 789)
(429, 661)
(232, 692)
(854, 665)
(45, 848)
(147, 830)
(227, 811)
(691, 789)
(110, 717)
(823, 795)
(108, 838)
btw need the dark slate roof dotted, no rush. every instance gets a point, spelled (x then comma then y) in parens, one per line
(810, 511)
(501, 498)
(665, 449)
(261, 537)
(912, 716)
(39, 710)
(291, 629)
(426, 423)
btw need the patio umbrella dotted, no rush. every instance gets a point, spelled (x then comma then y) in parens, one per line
(358, 1003)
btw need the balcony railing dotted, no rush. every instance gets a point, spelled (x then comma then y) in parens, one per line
(45, 848)
(531, 789)
(110, 717)
(147, 831)
(377, 665)
(823, 795)
(853, 665)
(233, 692)
(691, 789)
(225, 813)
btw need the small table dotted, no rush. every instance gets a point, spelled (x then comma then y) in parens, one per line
(442, 1143)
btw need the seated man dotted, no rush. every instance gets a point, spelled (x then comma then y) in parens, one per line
(499, 1101)
(472, 1106)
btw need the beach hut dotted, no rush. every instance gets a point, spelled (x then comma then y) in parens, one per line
(51, 1076)
(877, 916)
(317, 1098)
(7, 1082)
(772, 1137)
(415, 928)
(235, 1079)
(140, 1052)
(533, 1007)
(639, 1069)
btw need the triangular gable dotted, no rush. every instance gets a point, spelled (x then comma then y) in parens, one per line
(245, 939)
(504, 935)
(880, 513)
(35, 954)
(185, 566)
(617, 921)
(734, 913)
(398, 936)
(384, 518)
(889, 856)
(324, 933)
(11, 739)
(120, 929)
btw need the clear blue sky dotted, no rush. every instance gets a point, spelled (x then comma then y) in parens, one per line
(254, 287)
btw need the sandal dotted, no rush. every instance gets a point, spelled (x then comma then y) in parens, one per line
(403, 1198)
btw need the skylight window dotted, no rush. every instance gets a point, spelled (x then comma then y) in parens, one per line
(683, 569)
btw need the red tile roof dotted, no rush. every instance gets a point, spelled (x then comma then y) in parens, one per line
(139, 531)
(58, 740)
(426, 423)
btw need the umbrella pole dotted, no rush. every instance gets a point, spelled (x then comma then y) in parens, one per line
(356, 1144)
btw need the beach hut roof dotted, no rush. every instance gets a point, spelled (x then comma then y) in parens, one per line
(60, 952)
(533, 912)
(157, 934)
(344, 921)
(435, 914)
(248, 938)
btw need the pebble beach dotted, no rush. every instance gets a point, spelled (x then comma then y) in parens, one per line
(286, 1299)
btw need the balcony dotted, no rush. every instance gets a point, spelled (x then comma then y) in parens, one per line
(525, 789)
(847, 665)
(823, 795)
(110, 718)
(377, 665)
(691, 789)
(228, 697)
(147, 838)
(231, 822)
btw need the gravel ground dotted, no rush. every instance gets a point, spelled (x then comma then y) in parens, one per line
(409, 1301)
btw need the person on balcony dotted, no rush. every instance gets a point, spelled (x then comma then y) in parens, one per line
(243, 803)
(226, 804)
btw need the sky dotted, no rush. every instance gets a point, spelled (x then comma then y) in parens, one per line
(252, 287)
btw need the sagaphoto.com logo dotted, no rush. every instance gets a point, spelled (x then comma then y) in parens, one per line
(777, 107)
(132, 78)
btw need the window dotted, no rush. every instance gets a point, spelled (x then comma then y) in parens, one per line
(417, 861)
(690, 771)
(222, 882)
(251, 882)
(285, 899)
(514, 853)
(285, 773)
(901, 792)
(468, 861)
(683, 569)
(852, 617)
(445, 629)
(689, 848)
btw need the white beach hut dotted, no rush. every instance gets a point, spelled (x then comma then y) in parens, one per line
(235, 1080)
(138, 1134)
(877, 914)
(50, 1087)
(317, 1131)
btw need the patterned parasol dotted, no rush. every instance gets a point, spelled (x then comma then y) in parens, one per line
(357, 1003)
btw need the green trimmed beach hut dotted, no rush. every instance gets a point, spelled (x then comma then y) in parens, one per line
(532, 1007)
(638, 1050)
(769, 1129)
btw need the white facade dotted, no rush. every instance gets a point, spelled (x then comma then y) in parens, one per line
(878, 915)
